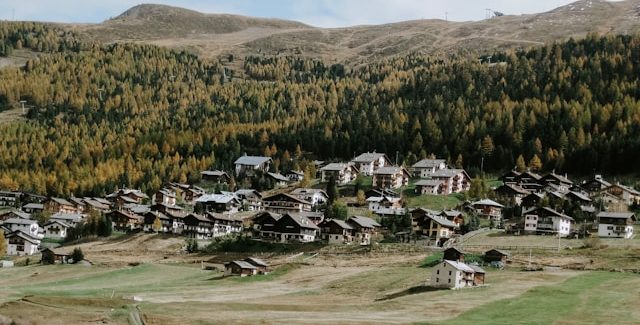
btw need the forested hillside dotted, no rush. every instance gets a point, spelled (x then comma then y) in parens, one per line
(140, 115)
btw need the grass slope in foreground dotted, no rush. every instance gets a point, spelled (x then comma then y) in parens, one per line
(592, 298)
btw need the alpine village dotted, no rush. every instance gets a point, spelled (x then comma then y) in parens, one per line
(142, 183)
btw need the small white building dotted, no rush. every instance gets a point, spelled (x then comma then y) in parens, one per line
(342, 173)
(616, 224)
(20, 244)
(250, 164)
(369, 162)
(27, 226)
(425, 167)
(547, 221)
(313, 195)
(56, 229)
(456, 275)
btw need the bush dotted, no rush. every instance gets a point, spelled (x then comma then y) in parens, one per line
(77, 255)
(191, 245)
(592, 242)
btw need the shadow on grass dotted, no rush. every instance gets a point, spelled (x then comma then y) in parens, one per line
(411, 291)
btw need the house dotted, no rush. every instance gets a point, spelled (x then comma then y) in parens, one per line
(456, 275)
(225, 224)
(55, 205)
(226, 202)
(581, 198)
(126, 195)
(342, 173)
(509, 192)
(27, 226)
(285, 203)
(251, 200)
(156, 221)
(261, 266)
(96, 205)
(453, 254)
(384, 202)
(79, 204)
(546, 220)
(165, 196)
(286, 228)
(71, 219)
(367, 163)
(425, 167)
(381, 192)
(57, 255)
(33, 208)
(426, 223)
(295, 175)
(616, 224)
(390, 177)
(454, 180)
(125, 221)
(198, 226)
(336, 231)
(528, 177)
(215, 176)
(561, 181)
(490, 209)
(364, 229)
(595, 185)
(532, 199)
(315, 196)
(55, 229)
(454, 216)
(14, 214)
(278, 179)
(626, 194)
(430, 186)
(248, 165)
(510, 177)
(20, 243)
(10, 199)
(496, 255)
(241, 268)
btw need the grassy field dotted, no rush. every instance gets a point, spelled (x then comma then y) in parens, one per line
(592, 298)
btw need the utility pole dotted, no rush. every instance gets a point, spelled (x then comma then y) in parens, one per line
(23, 102)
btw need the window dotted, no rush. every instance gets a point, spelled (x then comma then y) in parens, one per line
(438, 272)
(449, 272)
(449, 280)
(437, 280)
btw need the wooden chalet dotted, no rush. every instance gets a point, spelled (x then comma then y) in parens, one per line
(125, 221)
(215, 176)
(453, 254)
(285, 203)
(390, 177)
(57, 255)
(261, 266)
(55, 205)
(241, 268)
(336, 231)
(496, 255)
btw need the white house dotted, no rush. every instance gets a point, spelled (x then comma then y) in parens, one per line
(616, 224)
(71, 219)
(456, 275)
(390, 177)
(250, 164)
(343, 173)
(27, 226)
(313, 195)
(425, 167)
(452, 181)
(56, 229)
(546, 220)
(20, 243)
(369, 162)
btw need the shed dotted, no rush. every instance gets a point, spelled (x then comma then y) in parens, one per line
(58, 256)
(240, 268)
(496, 255)
(453, 254)
(261, 266)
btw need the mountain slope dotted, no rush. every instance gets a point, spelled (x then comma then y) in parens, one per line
(215, 35)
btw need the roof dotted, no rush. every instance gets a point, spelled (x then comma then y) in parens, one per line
(447, 173)
(382, 198)
(428, 182)
(286, 195)
(20, 214)
(216, 198)
(214, 173)
(256, 261)
(476, 268)
(248, 192)
(60, 222)
(24, 236)
(96, 204)
(61, 201)
(428, 163)
(364, 222)
(368, 157)
(279, 177)
(514, 188)
(560, 178)
(627, 188)
(616, 215)
(137, 208)
(302, 221)
(335, 167)
(341, 223)
(77, 201)
(37, 206)
(389, 170)
(19, 221)
(67, 216)
(498, 251)
(305, 191)
(390, 211)
(552, 211)
(58, 251)
(488, 202)
(10, 193)
(241, 264)
(460, 266)
(443, 221)
(252, 160)
(580, 196)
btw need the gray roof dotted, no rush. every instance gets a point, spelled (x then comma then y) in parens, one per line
(242, 264)
(446, 173)
(302, 221)
(390, 170)
(19, 221)
(428, 182)
(214, 173)
(305, 191)
(256, 261)
(550, 210)
(616, 215)
(77, 217)
(581, 196)
(36, 206)
(252, 160)
(335, 166)
(279, 177)
(61, 201)
(428, 163)
(476, 268)
(460, 266)
(217, 198)
(343, 224)
(443, 221)
(368, 157)
(20, 214)
(364, 222)
(62, 223)
(390, 211)
(488, 202)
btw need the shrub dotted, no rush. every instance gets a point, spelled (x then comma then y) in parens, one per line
(592, 242)
(77, 255)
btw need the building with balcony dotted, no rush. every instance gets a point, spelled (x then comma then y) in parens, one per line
(616, 224)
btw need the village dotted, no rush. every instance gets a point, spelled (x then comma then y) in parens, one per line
(524, 203)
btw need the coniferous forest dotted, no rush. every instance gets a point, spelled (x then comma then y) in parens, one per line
(139, 115)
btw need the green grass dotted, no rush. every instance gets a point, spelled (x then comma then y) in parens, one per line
(278, 272)
(591, 298)
(432, 260)
(433, 202)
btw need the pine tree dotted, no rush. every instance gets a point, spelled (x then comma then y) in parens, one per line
(535, 163)
(520, 164)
